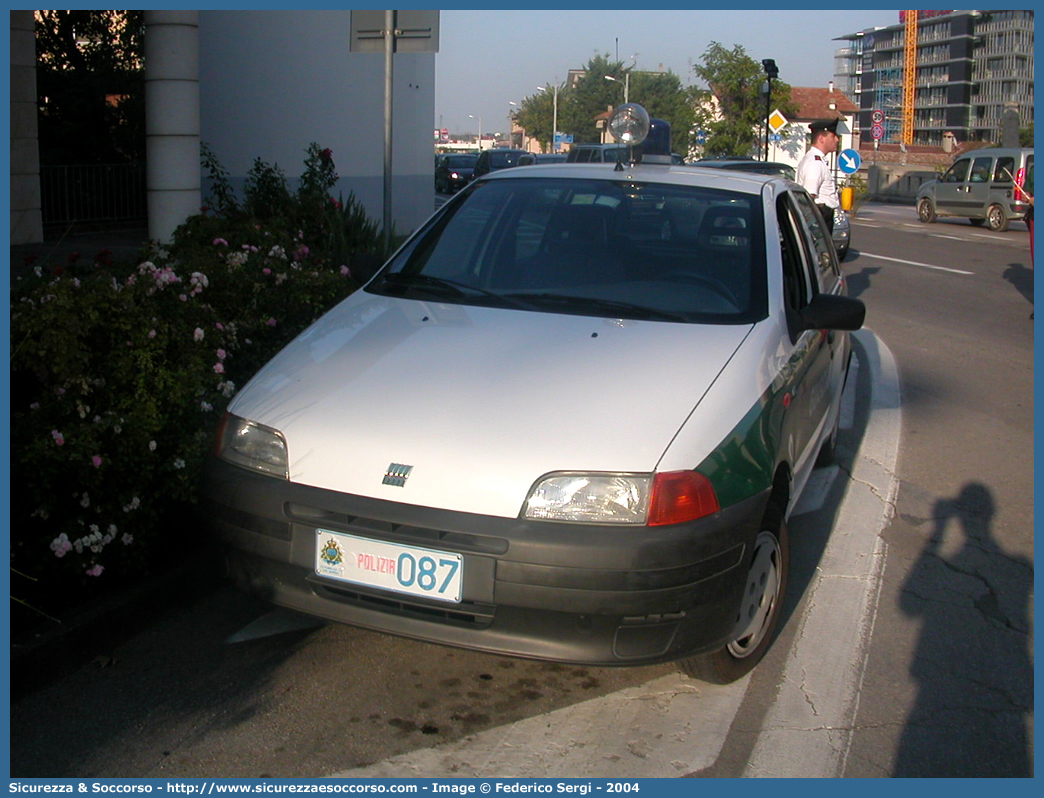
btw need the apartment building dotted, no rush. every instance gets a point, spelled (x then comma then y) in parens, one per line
(971, 67)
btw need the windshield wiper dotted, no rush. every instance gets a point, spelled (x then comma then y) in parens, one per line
(445, 287)
(584, 303)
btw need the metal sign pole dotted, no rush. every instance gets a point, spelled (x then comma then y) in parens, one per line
(389, 49)
(390, 32)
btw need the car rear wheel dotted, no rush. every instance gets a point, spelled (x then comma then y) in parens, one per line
(926, 211)
(760, 611)
(997, 219)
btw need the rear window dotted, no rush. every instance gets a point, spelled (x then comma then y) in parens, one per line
(618, 249)
(503, 160)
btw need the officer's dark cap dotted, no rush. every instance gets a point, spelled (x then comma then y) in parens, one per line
(824, 124)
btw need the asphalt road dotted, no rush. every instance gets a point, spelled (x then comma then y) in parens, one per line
(949, 684)
(907, 644)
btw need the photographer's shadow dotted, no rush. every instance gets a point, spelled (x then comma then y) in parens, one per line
(972, 663)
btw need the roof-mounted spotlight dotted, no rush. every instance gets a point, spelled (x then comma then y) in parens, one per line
(629, 124)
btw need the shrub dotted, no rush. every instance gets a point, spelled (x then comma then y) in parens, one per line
(120, 372)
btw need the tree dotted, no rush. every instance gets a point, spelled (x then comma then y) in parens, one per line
(732, 109)
(660, 93)
(1026, 136)
(664, 97)
(90, 85)
(593, 95)
(536, 112)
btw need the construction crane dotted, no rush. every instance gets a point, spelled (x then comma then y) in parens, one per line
(909, 77)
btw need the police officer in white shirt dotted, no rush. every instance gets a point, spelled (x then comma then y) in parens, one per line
(813, 170)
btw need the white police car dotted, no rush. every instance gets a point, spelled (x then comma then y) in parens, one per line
(567, 420)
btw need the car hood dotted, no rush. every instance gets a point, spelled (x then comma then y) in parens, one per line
(481, 402)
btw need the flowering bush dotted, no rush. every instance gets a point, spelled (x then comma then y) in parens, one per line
(120, 372)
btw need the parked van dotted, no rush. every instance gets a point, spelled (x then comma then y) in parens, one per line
(982, 186)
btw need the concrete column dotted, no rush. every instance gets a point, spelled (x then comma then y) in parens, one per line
(171, 119)
(26, 214)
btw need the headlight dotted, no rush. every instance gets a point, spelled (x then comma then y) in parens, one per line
(652, 499)
(253, 446)
(590, 498)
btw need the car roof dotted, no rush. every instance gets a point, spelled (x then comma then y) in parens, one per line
(738, 163)
(674, 174)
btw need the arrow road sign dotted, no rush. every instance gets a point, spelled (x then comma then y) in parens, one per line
(849, 162)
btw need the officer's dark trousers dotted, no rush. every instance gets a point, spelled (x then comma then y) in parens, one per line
(828, 216)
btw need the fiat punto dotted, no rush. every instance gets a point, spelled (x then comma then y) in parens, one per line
(567, 420)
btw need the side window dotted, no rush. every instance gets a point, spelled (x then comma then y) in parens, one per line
(958, 172)
(826, 270)
(980, 172)
(797, 285)
(584, 156)
(1004, 171)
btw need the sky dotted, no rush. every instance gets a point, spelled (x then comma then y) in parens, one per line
(487, 59)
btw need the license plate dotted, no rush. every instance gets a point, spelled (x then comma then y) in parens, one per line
(390, 566)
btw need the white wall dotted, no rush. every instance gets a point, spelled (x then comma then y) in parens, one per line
(272, 82)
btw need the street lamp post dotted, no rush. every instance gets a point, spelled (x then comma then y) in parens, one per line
(479, 118)
(554, 118)
(770, 72)
(627, 83)
(511, 127)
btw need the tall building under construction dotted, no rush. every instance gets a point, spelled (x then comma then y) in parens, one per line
(966, 70)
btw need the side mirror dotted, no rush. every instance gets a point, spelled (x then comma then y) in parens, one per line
(830, 312)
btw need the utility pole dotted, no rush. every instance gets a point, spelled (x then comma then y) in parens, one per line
(770, 72)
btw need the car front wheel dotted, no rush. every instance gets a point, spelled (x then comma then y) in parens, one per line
(926, 211)
(760, 611)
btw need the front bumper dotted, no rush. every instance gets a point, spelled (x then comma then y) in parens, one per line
(579, 593)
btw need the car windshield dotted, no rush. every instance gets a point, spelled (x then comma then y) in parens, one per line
(617, 249)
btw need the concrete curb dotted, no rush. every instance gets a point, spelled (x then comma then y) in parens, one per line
(808, 730)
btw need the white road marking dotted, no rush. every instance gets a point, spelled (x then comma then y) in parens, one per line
(808, 730)
(913, 263)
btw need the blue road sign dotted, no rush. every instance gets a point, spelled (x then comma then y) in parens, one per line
(849, 161)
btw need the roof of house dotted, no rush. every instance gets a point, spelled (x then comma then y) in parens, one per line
(816, 103)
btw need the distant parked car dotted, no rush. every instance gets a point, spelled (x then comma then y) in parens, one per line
(749, 165)
(842, 233)
(453, 171)
(492, 160)
(597, 153)
(531, 158)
